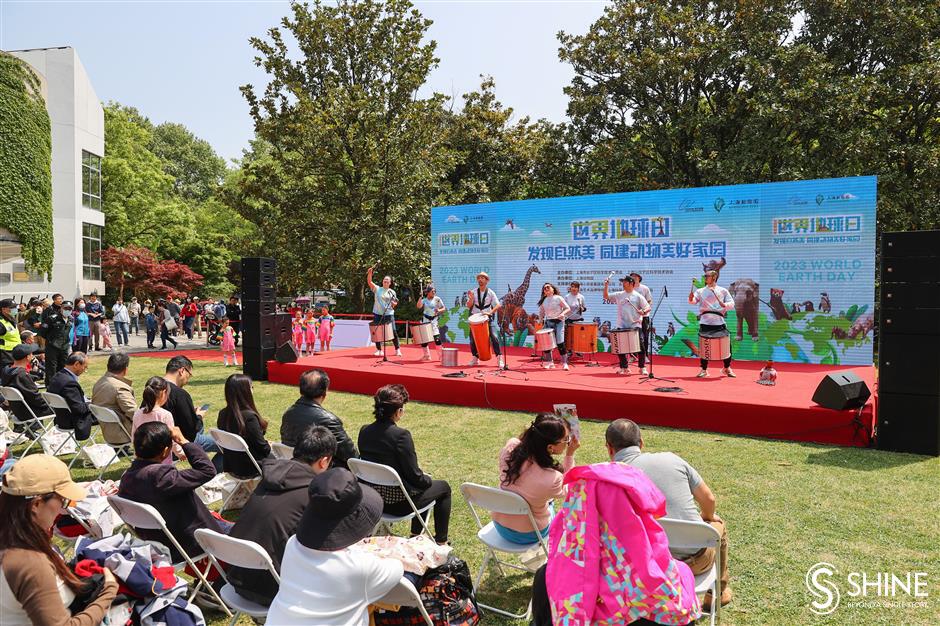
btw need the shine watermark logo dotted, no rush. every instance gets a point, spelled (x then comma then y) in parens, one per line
(864, 589)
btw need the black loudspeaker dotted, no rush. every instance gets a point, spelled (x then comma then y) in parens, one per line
(266, 331)
(916, 322)
(262, 279)
(256, 308)
(258, 293)
(909, 423)
(910, 244)
(909, 364)
(258, 264)
(255, 362)
(286, 353)
(909, 296)
(841, 390)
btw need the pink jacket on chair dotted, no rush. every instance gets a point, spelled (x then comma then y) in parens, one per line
(610, 562)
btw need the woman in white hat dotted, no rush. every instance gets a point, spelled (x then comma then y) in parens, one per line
(36, 586)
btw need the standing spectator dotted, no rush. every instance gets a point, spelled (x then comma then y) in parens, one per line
(175, 309)
(234, 314)
(190, 311)
(308, 411)
(21, 312)
(152, 324)
(56, 328)
(122, 320)
(240, 416)
(34, 320)
(148, 306)
(10, 337)
(179, 371)
(133, 312)
(81, 328)
(167, 324)
(115, 391)
(66, 384)
(95, 311)
(219, 309)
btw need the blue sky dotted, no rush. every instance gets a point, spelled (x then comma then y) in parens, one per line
(184, 61)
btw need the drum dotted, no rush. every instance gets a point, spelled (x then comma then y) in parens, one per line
(545, 340)
(381, 332)
(449, 357)
(714, 345)
(422, 333)
(624, 340)
(581, 337)
(480, 334)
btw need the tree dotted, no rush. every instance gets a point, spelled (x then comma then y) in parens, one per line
(25, 163)
(347, 158)
(138, 270)
(196, 169)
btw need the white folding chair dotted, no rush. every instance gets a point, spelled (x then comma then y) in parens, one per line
(689, 536)
(233, 443)
(239, 553)
(405, 594)
(23, 415)
(499, 501)
(58, 404)
(383, 475)
(138, 515)
(104, 415)
(282, 450)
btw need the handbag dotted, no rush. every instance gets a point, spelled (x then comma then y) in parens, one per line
(170, 324)
(447, 595)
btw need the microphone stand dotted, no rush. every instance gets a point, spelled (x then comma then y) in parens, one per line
(649, 347)
(502, 342)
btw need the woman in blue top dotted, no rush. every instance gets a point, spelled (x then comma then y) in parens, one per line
(431, 306)
(383, 310)
(81, 329)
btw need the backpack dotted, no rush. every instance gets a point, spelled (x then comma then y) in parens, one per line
(447, 595)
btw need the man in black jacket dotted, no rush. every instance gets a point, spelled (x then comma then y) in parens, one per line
(66, 384)
(179, 371)
(16, 376)
(272, 514)
(55, 327)
(308, 411)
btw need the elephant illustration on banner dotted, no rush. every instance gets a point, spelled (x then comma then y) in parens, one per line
(746, 294)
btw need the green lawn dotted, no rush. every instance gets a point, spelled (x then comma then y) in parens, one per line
(787, 505)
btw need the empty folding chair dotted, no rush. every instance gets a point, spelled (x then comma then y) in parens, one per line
(499, 501)
(61, 408)
(138, 515)
(105, 415)
(238, 553)
(233, 443)
(282, 450)
(22, 415)
(405, 594)
(385, 476)
(687, 536)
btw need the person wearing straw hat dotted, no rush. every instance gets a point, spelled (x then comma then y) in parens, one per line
(484, 300)
(36, 585)
(323, 582)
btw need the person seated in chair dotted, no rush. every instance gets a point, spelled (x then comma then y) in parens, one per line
(273, 512)
(171, 491)
(115, 391)
(308, 411)
(16, 376)
(66, 384)
(383, 441)
(683, 488)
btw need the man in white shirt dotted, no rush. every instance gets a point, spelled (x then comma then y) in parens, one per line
(631, 309)
(483, 300)
(323, 582)
(713, 302)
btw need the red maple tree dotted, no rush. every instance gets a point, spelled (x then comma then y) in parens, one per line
(138, 270)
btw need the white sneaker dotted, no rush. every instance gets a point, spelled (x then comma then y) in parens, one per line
(644, 372)
(501, 361)
(729, 372)
(702, 374)
(376, 353)
(565, 367)
(551, 366)
(426, 357)
(474, 361)
(624, 370)
(544, 365)
(397, 352)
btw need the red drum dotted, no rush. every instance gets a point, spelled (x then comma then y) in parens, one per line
(480, 333)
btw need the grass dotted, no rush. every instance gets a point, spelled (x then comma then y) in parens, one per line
(787, 505)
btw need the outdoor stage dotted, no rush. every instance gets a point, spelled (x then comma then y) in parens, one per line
(717, 404)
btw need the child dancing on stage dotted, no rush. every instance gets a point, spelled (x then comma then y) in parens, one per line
(310, 331)
(325, 328)
(297, 332)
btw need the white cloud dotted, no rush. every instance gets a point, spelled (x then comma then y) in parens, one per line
(537, 233)
(713, 229)
(453, 219)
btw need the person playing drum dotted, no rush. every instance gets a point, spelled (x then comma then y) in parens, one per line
(553, 309)
(431, 306)
(713, 304)
(644, 291)
(575, 303)
(383, 310)
(483, 300)
(631, 307)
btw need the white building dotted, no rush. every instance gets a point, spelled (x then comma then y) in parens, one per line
(77, 149)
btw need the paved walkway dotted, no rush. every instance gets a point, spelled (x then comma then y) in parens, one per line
(138, 343)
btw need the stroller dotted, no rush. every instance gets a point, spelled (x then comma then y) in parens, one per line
(213, 329)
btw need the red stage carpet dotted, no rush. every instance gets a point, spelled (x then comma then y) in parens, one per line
(717, 404)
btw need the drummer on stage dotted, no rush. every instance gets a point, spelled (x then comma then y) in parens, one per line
(631, 307)
(576, 303)
(713, 304)
(383, 310)
(644, 291)
(431, 306)
(483, 300)
(552, 310)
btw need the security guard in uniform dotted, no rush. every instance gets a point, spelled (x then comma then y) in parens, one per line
(9, 333)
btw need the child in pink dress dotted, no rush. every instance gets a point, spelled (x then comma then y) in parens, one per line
(326, 325)
(310, 331)
(297, 332)
(228, 343)
(105, 331)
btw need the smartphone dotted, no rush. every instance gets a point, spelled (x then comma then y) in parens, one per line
(204, 407)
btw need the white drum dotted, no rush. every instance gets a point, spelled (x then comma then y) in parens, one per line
(624, 340)
(545, 340)
(449, 357)
(381, 332)
(714, 348)
(423, 333)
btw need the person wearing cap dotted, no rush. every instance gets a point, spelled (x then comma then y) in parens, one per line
(66, 384)
(36, 367)
(631, 309)
(16, 375)
(133, 312)
(56, 328)
(383, 308)
(323, 581)
(36, 585)
(9, 331)
(483, 300)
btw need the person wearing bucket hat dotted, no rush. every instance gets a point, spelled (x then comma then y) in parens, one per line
(484, 301)
(9, 331)
(323, 582)
(36, 585)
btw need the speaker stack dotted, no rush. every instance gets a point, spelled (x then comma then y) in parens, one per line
(909, 343)
(263, 330)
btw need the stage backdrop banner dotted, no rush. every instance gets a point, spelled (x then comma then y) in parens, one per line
(798, 257)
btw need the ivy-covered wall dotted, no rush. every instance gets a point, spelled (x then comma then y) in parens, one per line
(25, 163)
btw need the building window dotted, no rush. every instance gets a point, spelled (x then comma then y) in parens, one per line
(91, 180)
(91, 251)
